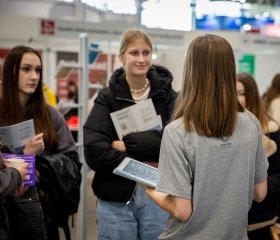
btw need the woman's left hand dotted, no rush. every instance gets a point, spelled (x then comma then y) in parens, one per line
(119, 145)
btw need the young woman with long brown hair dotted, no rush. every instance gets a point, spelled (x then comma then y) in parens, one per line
(22, 99)
(212, 163)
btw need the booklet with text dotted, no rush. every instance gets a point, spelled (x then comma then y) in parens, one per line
(16, 136)
(139, 117)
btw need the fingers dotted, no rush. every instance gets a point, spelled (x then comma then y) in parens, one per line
(25, 177)
(25, 164)
(38, 136)
(35, 146)
(41, 141)
(23, 170)
(19, 191)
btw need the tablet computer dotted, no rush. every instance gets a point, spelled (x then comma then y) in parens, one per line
(137, 171)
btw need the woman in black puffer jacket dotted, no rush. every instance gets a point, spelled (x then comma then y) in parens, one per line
(123, 209)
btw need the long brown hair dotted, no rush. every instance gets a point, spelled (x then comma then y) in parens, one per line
(272, 92)
(36, 107)
(207, 101)
(253, 99)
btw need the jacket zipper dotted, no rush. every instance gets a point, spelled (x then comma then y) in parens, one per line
(125, 99)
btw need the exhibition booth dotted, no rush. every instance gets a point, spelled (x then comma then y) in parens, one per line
(85, 51)
(58, 40)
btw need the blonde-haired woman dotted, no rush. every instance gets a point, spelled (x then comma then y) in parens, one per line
(123, 209)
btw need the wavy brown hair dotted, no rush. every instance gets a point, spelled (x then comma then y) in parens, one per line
(207, 101)
(272, 92)
(36, 107)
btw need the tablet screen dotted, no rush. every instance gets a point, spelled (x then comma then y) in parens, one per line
(141, 170)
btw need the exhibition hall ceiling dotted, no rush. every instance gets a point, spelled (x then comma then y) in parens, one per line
(93, 2)
(261, 2)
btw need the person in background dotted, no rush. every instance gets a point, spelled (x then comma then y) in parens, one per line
(123, 209)
(70, 114)
(73, 91)
(11, 178)
(271, 99)
(23, 99)
(50, 96)
(262, 215)
(72, 97)
(207, 178)
(92, 94)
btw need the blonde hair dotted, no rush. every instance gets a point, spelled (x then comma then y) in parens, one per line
(132, 34)
(208, 101)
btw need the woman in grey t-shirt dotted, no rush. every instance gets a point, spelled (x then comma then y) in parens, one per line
(212, 163)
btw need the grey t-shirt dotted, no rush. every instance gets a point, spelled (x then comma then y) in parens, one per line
(217, 174)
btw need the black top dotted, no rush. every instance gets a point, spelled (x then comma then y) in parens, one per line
(269, 207)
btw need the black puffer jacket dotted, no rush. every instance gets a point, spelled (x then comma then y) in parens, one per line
(99, 132)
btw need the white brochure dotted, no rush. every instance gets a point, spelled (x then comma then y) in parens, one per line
(16, 136)
(139, 117)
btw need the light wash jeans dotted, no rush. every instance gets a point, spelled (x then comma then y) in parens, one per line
(141, 219)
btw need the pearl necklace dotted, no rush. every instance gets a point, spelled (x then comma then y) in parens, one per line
(142, 89)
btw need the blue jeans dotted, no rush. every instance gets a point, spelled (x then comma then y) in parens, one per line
(141, 219)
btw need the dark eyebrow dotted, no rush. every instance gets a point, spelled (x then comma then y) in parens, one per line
(28, 65)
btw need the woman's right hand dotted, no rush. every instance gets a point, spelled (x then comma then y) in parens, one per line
(35, 145)
(22, 168)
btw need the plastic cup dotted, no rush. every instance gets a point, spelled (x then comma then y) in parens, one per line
(14, 162)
